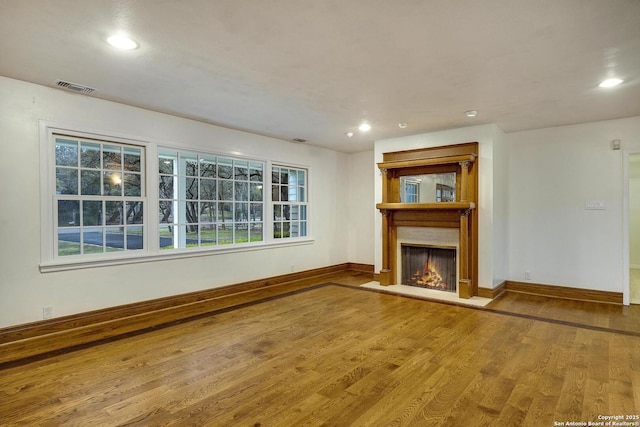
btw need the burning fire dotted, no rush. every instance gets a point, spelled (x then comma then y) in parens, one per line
(429, 278)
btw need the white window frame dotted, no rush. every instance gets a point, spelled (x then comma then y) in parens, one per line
(48, 209)
(179, 208)
(50, 262)
(306, 203)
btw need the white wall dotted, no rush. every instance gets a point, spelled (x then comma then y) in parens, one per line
(552, 174)
(24, 290)
(359, 214)
(491, 234)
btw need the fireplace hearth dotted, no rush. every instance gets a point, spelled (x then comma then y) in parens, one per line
(429, 267)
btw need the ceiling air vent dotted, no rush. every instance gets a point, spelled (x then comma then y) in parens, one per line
(75, 87)
(299, 140)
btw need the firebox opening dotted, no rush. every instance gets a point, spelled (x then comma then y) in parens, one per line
(431, 267)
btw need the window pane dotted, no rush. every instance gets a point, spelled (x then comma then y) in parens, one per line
(134, 213)
(286, 211)
(66, 181)
(294, 212)
(277, 230)
(241, 170)
(165, 165)
(284, 193)
(275, 193)
(134, 238)
(225, 212)
(91, 213)
(208, 235)
(132, 185)
(242, 233)
(92, 241)
(255, 172)
(242, 212)
(191, 213)
(225, 234)
(303, 212)
(115, 239)
(191, 188)
(301, 178)
(165, 212)
(207, 189)
(286, 229)
(225, 168)
(166, 237)
(303, 228)
(242, 191)
(301, 194)
(207, 212)
(208, 166)
(111, 157)
(225, 190)
(275, 175)
(189, 165)
(284, 176)
(68, 213)
(132, 159)
(90, 155)
(293, 193)
(295, 227)
(66, 152)
(69, 242)
(90, 182)
(113, 213)
(256, 192)
(255, 232)
(255, 212)
(192, 235)
(166, 187)
(112, 183)
(277, 212)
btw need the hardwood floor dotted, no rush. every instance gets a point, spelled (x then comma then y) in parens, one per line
(311, 354)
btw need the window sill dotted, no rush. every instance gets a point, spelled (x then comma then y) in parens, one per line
(61, 265)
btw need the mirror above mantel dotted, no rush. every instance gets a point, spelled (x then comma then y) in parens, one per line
(428, 188)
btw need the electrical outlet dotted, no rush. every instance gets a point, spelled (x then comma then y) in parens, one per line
(527, 275)
(47, 312)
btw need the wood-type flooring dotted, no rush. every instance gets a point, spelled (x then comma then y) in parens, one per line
(328, 353)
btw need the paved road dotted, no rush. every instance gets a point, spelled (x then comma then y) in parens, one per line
(117, 240)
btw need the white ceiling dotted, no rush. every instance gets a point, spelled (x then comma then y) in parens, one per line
(316, 69)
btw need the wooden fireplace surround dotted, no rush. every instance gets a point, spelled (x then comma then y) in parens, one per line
(462, 213)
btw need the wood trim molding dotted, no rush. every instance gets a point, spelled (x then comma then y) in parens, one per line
(46, 336)
(493, 292)
(564, 292)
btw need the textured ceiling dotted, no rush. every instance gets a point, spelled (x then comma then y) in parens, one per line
(315, 70)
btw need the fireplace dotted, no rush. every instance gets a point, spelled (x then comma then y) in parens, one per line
(430, 267)
(409, 180)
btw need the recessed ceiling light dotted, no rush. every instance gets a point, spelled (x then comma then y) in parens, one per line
(471, 113)
(349, 134)
(402, 125)
(610, 82)
(122, 42)
(364, 127)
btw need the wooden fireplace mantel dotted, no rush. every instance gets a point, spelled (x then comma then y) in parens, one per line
(460, 214)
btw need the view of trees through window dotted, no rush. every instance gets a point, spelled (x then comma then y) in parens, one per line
(207, 200)
(98, 196)
(100, 203)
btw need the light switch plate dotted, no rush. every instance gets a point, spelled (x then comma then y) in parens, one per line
(595, 205)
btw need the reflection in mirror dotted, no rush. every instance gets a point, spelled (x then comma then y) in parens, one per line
(430, 188)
